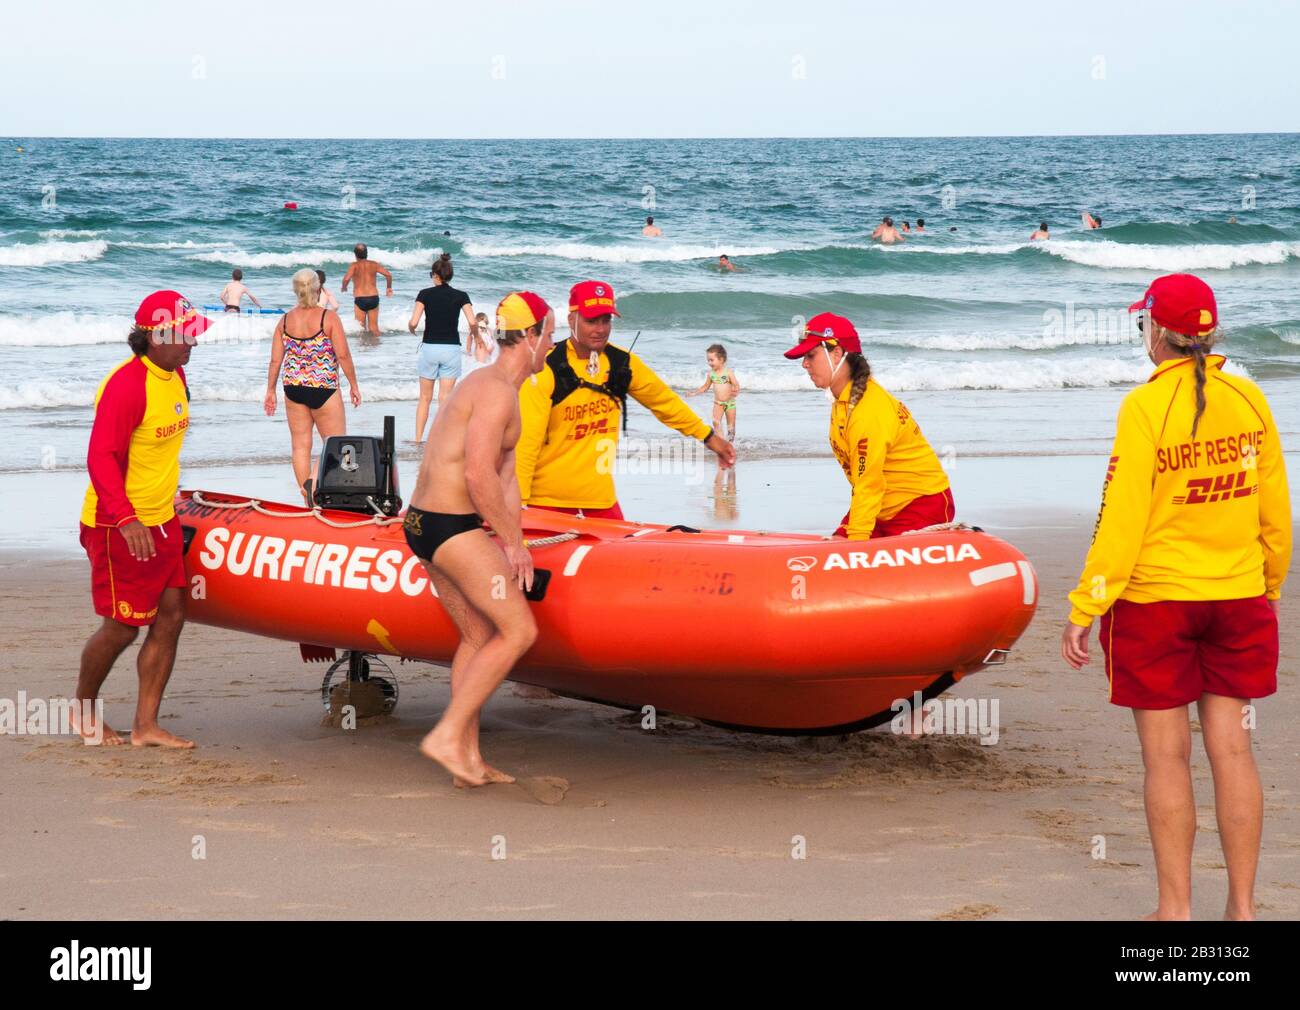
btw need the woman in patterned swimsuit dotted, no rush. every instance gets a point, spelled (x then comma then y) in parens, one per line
(310, 344)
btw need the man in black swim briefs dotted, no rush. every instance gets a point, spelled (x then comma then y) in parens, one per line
(468, 476)
(361, 274)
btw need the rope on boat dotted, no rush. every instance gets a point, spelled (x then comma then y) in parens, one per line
(378, 519)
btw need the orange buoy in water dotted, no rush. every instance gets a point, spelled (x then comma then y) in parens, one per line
(822, 635)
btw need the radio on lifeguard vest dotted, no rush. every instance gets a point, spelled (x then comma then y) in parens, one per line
(358, 473)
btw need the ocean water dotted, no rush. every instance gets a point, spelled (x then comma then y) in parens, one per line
(1001, 347)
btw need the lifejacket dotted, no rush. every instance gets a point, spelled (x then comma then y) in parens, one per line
(567, 381)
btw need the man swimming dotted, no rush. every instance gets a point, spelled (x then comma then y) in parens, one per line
(1041, 235)
(468, 476)
(651, 230)
(1089, 221)
(886, 233)
(724, 263)
(920, 226)
(365, 293)
(233, 293)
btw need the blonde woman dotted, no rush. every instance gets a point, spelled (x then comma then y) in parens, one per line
(1185, 571)
(307, 351)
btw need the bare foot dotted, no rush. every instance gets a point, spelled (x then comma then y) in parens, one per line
(95, 732)
(1157, 917)
(464, 772)
(496, 774)
(1240, 915)
(156, 736)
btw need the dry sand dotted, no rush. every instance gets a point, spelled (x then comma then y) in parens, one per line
(301, 819)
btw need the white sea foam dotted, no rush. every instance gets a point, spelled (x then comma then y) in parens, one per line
(39, 254)
(57, 233)
(309, 257)
(187, 244)
(649, 252)
(1170, 258)
(1029, 373)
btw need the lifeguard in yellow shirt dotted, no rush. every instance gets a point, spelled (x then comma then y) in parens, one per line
(1185, 571)
(574, 411)
(898, 482)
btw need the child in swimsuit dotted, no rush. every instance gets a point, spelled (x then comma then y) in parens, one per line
(725, 387)
(481, 339)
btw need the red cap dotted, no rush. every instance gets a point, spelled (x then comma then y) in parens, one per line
(1182, 303)
(826, 327)
(591, 299)
(165, 309)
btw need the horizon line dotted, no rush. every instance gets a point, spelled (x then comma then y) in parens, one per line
(918, 136)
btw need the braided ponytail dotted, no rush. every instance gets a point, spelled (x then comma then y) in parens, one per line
(859, 372)
(1197, 348)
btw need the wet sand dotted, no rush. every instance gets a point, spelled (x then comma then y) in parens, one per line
(299, 819)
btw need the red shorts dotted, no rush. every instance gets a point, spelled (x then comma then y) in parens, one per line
(613, 512)
(927, 510)
(128, 590)
(1167, 654)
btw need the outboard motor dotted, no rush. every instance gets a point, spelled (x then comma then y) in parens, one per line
(358, 473)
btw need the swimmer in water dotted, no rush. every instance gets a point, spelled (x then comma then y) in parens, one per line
(1041, 235)
(724, 263)
(886, 233)
(1091, 222)
(651, 230)
(232, 294)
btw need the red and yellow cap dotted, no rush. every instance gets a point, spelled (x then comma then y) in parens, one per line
(1182, 303)
(591, 299)
(826, 327)
(165, 309)
(521, 310)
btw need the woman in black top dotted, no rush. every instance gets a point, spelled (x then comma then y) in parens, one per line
(440, 350)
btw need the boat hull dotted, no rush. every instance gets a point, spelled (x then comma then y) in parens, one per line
(761, 631)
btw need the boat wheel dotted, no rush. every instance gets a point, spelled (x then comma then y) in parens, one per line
(362, 680)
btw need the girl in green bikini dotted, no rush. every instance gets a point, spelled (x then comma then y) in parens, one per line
(725, 386)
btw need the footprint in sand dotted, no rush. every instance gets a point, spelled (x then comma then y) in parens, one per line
(976, 911)
(548, 789)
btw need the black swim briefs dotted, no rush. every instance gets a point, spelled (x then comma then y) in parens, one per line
(427, 531)
(367, 303)
(314, 397)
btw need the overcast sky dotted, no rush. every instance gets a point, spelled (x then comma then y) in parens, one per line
(573, 68)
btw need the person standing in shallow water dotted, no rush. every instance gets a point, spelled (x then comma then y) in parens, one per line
(310, 344)
(1188, 557)
(361, 275)
(439, 356)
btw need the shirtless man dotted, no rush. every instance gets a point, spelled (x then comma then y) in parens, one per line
(365, 294)
(468, 476)
(233, 292)
(725, 264)
(1041, 235)
(1089, 221)
(651, 230)
(920, 226)
(887, 233)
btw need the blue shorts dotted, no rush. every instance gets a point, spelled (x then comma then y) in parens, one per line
(439, 361)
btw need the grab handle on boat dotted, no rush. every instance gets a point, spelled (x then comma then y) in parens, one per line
(997, 657)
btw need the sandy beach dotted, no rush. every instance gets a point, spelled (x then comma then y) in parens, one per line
(298, 819)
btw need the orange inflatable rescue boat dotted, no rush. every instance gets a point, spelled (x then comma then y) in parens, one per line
(774, 632)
